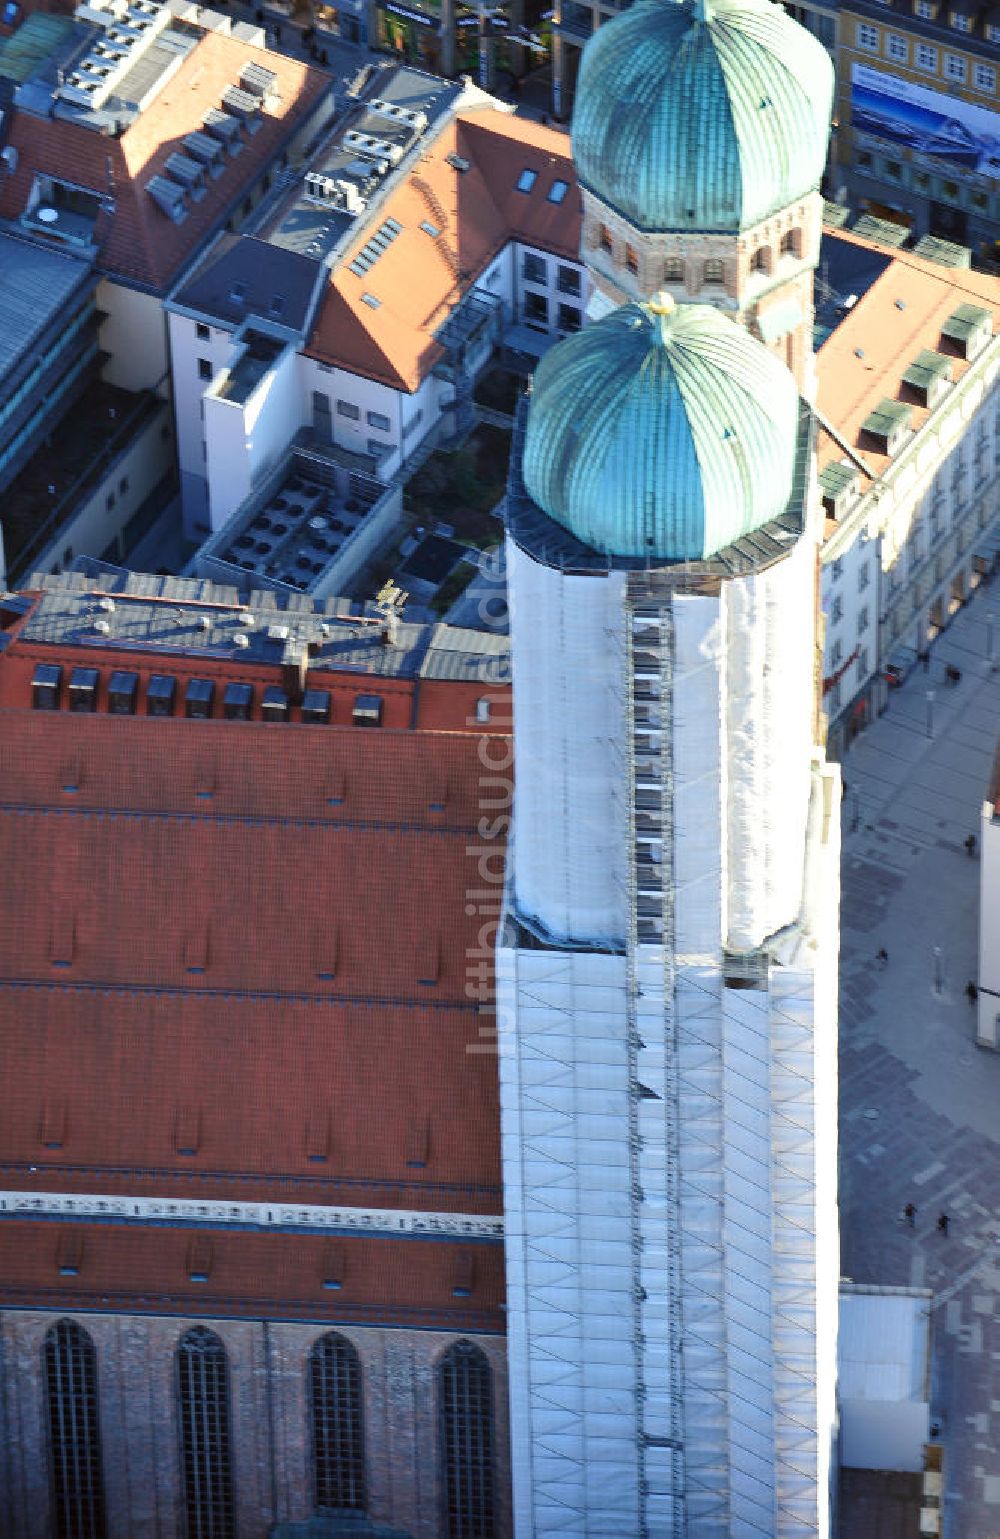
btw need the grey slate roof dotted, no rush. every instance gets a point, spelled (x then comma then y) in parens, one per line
(35, 285)
(276, 284)
(181, 616)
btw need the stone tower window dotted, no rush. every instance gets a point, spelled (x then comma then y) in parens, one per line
(673, 270)
(631, 259)
(465, 1392)
(791, 243)
(206, 1453)
(74, 1433)
(715, 271)
(604, 238)
(337, 1429)
(761, 262)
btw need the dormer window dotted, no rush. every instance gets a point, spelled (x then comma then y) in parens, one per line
(558, 191)
(888, 426)
(527, 180)
(839, 488)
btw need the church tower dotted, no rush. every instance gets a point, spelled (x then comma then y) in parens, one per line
(667, 969)
(700, 134)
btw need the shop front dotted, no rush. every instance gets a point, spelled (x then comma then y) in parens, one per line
(344, 22)
(411, 32)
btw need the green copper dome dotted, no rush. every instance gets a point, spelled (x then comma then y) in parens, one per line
(702, 114)
(662, 432)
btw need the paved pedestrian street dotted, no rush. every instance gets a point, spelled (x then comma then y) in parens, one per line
(920, 1102)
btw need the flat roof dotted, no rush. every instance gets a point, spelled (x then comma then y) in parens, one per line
(35, 284)
(167, 616)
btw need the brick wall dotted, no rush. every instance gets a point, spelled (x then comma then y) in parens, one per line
(269, 1411)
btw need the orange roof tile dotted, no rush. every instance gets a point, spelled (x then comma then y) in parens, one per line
(138, 241)
(385, 1281)
(239, 925)
(420, 277)
(864, 359)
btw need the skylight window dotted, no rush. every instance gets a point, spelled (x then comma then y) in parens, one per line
(527, 179)
(428, 228)
(558, 191)
(373, 248)
(369, 299)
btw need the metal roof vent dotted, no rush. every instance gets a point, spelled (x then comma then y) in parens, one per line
(239, 640)
(246, 618)
(102, 627)
(204, 622)
(107, 604)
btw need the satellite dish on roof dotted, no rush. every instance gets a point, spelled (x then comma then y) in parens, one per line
(47, 215)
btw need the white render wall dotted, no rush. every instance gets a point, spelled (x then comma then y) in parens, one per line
(684, 1372)
(569, 723)
(988, 1004)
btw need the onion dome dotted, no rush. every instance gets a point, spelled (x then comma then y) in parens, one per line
(662, 432)
(702, 114)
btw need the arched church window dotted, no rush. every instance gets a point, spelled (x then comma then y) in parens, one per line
(337, 1430)
(77, 1480)
(791, 243)
(465, 1388)
(206, 1455)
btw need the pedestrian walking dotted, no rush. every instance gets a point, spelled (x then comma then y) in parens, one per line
(943, 1222)
(970, 846)
(882, 956)
(910, 1214)
(972, 992)
(925, 658)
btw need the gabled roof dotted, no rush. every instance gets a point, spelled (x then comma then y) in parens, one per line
(902, 313)
(137, 241)
(421, 276)
(257, 929)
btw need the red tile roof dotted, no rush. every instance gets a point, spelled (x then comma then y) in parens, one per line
(384, 1281)
(138, 241)
(163, 952)
(420, 277)
(863, 361)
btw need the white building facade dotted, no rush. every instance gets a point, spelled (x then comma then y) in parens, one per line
(667, 992)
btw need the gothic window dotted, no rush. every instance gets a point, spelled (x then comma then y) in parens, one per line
(466, 1405)
(337, 1433)
(791, 243)
(74, 1433)
(203, 1397)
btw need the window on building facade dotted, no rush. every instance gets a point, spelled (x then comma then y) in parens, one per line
(203, 331)
(536, 309)
(897, 48)
(955, 67)
(862, 664)
(836, 653)
(348, 409)
(534, 268)
(74, 1433)
(984, 77)
(863, 160)
(673, 270)
(924, 9)
(631, 259)
(866, 37)
(527, 180)
(836, 610)
(926, 58)
(864, 576)
(206, 1456)
(204, 368)
(761, 260)
(377, 419)
(836, 569)
(714, 270)
(568, 280)
(961, 22)
(893, 170)
(569, 318)
(862, 620)
(604, 239)
(465, 1391)
(791, 243)
(337, 1427)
